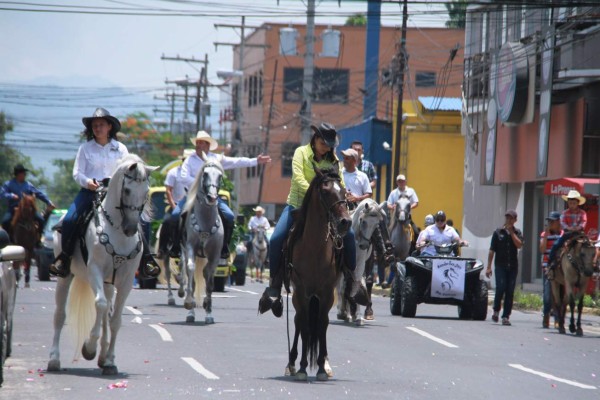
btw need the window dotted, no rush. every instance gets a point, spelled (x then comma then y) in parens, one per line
(287, 154)
(425, 79)
(330, 85)
(253, 150)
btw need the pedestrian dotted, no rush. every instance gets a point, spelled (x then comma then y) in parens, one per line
(365, 165)
(357, 183)
(573, 221)
(551, 233)
(13, 190)
(505, 245)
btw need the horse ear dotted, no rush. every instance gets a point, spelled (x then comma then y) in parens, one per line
(151, 168)
(367, 207)
(203, 156)
(133, 166)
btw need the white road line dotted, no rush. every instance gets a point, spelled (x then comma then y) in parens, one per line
(199, 368)
(431, 337)
(551, 377)
(241, 291)
(164, 334)
(134, 311)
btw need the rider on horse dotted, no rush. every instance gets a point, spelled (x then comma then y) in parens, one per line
(203, 143)
(12, 191)
(95, 161)
(257, 221)
(319, 153)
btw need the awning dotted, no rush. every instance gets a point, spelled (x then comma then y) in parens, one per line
(561, 187)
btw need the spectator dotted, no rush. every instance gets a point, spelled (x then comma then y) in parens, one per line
(364, 165)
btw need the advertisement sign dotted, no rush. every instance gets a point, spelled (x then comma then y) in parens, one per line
(448, 278)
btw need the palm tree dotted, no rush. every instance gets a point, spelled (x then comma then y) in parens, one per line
(457, 11)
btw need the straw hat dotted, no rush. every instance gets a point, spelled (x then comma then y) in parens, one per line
(574, 194)
(258, 208)
(203, 135)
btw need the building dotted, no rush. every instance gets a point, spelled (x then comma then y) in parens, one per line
(273, 122)
(531, 119)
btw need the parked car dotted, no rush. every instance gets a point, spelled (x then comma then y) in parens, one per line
(8, 294)
(44, 256)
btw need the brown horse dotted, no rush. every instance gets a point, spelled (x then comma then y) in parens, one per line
(570, 281)
(314, 269)
(25, 231)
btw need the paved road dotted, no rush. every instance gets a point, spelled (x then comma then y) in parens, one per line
(433, 356)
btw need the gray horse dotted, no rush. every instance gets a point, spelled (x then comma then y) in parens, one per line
(203, 237)
(401, 233)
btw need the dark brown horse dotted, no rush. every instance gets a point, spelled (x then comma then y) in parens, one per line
(25, 231)
(314, 269)
(570, 281)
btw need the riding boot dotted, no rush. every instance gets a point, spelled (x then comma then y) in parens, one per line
(175, 251)
(383, 244)
(61, 266)
(149, 266)
(271, 297)
(227, 234)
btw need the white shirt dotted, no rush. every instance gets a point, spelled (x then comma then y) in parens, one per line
(434, 235)
(357, 182)
(193, 163)
(408, 192)
(173, 180)
(256, 222)
(95, 161)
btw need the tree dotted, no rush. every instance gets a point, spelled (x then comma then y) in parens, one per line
(356, 20)
(64, 188)
(457, 12)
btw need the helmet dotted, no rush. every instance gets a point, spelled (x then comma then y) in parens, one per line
(440, 216)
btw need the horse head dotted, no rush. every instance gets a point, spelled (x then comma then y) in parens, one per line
(208, 181)
(128, 190)
(403, 210)
(585, 251)
(333, 198)
(368, 215)
(27, 207)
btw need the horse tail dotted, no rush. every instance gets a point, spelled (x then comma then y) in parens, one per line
(313, 330)
(199, 283)
(81, 312)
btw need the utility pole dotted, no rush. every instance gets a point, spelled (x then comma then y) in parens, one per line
(268, 132)
(397, 137)
(309, 68)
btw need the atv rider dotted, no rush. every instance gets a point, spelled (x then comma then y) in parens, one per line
(437, 234)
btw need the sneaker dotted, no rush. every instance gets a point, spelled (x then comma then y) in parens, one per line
(506, 322)
(495, 316)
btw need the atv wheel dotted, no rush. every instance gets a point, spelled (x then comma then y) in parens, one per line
(408, 306)
(396, 296)
(465, 311)
(480, 301)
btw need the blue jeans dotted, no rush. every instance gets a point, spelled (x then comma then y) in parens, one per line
(224, 210)
(558, 244)
(82, 204)
(280, 235)
(506, 280)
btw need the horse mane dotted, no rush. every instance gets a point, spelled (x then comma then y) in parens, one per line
(324, 175)
(116, 180)
(197, 180)
(26, 200)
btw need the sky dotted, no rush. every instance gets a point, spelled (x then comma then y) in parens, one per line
(59, 66)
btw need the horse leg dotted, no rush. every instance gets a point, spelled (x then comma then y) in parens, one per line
(189, 303)
(572, 309)
(322, 373)
(109, 290)
(88, 349)
(290, 370)
(209, 273)
(26, 268)
(341, 304)
(183, 276)
(123, 290)
(60, 315)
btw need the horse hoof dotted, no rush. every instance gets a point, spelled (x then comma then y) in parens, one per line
(290, 371)
(359, 322)
(189, 305)
(86, 354)
(341, 317)
(209, 320)
(190, 319)
(579, 332)
(110, 370)
(53, 366)
(301, 376)
(171, 302)
(562, 330)
(322, 376)
(180, 293)
(572, 328)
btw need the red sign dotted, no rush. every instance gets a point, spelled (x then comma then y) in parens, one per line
(561, 187)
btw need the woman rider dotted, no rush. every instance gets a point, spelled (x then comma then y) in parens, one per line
(95, 161)
(318, 153)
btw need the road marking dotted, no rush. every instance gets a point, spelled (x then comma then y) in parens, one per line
(241, 291)
(164, 334)
(552, 377)
(134, 311)
(199, 368)
(431, 337)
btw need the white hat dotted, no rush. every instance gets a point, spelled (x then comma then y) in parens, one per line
(574, 194)
(429, 220)
(351, 153)
(258, 208)
(400, 178)
(203, 135)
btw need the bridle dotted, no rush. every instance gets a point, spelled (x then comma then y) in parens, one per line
(205, 187)
(363, 241)
(332, 231)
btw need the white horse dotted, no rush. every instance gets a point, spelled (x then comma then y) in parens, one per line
(203, 237)
(8, 294)
(365, 219)
(114, 245)
(259, 251)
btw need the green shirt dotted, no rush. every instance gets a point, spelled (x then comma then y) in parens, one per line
(303, 173)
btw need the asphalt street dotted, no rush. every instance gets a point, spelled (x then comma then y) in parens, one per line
(243, 355)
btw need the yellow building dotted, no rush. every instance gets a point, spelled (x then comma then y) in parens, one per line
(432, 156)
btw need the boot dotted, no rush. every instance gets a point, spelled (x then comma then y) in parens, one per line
(175, 251)
(61, 266)
(149, 266)
(227, 234)
(271, 297)
(383, 244)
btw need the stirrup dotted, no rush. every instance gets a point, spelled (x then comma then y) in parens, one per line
(150, 268)
(61, 266)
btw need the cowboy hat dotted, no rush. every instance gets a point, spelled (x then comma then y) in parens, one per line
(326, 132)
(574, 194)
(203, 135)
(19, 168)
(101, 113)
(258, 208)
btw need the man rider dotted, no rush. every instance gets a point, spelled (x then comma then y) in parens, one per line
(13, 190)
(204, 143)
(437, 234)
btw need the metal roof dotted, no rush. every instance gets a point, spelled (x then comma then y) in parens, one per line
(441, 103)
